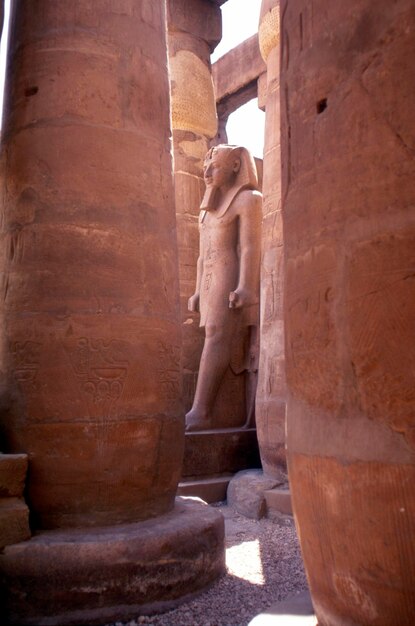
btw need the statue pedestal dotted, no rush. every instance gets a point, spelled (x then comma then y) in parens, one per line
(115, 573)
(212, 457)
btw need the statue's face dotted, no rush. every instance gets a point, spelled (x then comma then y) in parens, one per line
(218, 169)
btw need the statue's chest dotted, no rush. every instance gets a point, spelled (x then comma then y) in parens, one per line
(219, 242)
(220, 231)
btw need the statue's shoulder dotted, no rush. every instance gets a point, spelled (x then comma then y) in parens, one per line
(249, 198)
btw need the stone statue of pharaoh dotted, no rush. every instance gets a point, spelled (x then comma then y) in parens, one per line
(227, 284)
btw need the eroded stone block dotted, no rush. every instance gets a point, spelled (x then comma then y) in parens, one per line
(246, 492)
(14, 521)
(13, 468)
(219, 451)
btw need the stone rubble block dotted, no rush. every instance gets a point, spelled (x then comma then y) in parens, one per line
(207, 489)
(246, 492)
(279, 500)
(14, 521)
(294, 611)
(13, 468)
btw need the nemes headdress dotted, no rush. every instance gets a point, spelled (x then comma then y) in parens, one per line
(246, 177)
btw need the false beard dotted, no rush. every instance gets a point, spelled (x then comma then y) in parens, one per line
(210, 199)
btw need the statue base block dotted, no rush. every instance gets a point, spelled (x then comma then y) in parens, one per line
(94, 576)
(211, 457)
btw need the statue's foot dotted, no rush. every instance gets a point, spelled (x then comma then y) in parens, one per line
(196, 420)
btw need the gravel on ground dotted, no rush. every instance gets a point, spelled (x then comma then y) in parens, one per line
(264, 565)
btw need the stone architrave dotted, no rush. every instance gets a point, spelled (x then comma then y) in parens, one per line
(270, 402)
(90, 318)
(348, 170)
(235, 77)
(227, 283)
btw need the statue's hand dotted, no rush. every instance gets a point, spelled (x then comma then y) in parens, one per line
(193, 303)
(240, 298)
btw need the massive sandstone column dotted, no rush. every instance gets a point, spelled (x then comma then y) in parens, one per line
(195, 29)
(270, 402)
(348, 98)
(90, 318)
(89, 263)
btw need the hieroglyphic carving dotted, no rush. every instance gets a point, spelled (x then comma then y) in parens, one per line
(26, 356)
(169, 370)
(101, 367)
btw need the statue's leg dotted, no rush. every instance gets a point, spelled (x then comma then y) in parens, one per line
(215, 359)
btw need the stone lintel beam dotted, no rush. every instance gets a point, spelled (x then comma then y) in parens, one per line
(236, 100)
(235, 75)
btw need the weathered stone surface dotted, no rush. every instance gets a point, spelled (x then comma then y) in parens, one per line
(14, 521)
(271, 398)
(200, 18)
(262, 91)
(193, 100)
(351, 525)
(348, 145)
(269, 27)
(89, 261)
(279, 501)
(96, 576)
(13, 468)
(219, 452)
(246, 492)
(260, 171)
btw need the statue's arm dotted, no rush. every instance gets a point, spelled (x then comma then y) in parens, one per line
(250, 217)
(193, 302)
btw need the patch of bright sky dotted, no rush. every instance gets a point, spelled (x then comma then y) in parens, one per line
(245, 126)
(3, 49)
(239, 21)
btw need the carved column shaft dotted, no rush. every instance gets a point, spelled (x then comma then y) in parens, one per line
(194, 29)
(89, 265)
(348, 146)
(270, 403)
